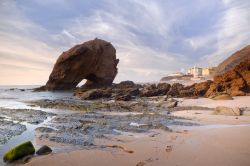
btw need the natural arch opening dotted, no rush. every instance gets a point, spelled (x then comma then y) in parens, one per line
(81, 83)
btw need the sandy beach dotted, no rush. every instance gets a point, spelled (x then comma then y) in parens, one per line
(220, 141)
(125, 83)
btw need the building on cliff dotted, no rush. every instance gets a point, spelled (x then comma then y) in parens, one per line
(195, 71)
(199, 72)
(208, 71)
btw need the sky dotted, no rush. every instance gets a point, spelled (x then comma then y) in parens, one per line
(153, 38)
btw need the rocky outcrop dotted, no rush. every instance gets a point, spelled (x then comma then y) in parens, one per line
(125, 91)
(128, 90)
(175, 89)
(93, 94)
(94, 61)
(233, 61)
(235, 82)
(150, 90)
(195, 90)
(201, 88)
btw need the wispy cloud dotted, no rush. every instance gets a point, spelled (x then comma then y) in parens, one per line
(232, 31)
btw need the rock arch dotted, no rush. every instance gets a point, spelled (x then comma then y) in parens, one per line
(94, 61)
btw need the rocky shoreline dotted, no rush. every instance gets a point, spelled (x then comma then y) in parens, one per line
(235, 82)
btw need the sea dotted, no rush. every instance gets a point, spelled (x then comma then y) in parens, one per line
(15, 97)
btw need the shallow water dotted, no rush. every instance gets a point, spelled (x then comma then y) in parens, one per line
(13, 97)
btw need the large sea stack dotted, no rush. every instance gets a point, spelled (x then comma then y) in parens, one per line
(94, 61)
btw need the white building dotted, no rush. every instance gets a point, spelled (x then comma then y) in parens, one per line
(195, 71)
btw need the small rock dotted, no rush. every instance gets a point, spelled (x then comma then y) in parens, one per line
(227, 111)
(45, 130)
(169, 148)
(44, 150)
(170, 103)
(141, 163)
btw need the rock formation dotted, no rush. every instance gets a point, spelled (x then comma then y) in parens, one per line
(150, 90)
(94, 61)
(235, 82)
(233, 61)
(125, 90)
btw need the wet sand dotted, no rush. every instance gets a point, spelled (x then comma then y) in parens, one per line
(220, 146)
(219, 141)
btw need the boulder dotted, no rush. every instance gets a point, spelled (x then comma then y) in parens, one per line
(163, 88)
(227, 111)
(170, 103)
(149, 90)
(44, 150)
(200, 89)
(94, 61)
(94, 94)
(123, 91)
(175, 89)
(235, 82)
(125, 94)
(19, 152)
(187, 92)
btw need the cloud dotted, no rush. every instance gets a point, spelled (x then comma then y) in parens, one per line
(22, 52)
(232, 31)
(142, 58)
(152, 38)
